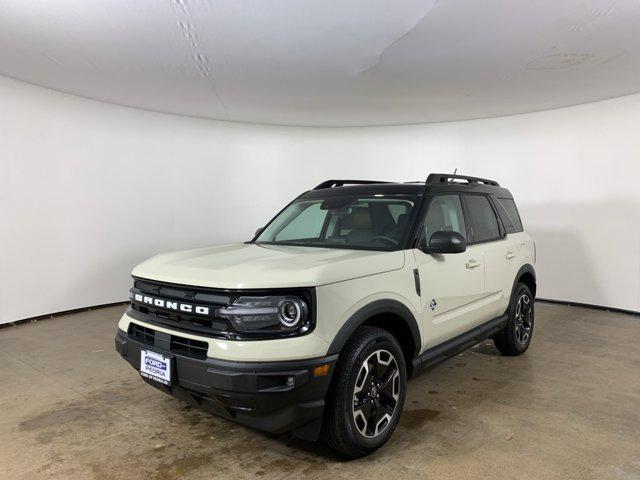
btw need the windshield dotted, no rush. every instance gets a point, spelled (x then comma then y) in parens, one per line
(373, 222)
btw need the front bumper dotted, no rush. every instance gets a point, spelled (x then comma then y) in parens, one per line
(255, 394)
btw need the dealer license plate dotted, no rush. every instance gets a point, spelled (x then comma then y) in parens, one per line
(155, 366)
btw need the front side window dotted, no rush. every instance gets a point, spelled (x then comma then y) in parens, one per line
(444, 215)
(376, 222)
(484, 224)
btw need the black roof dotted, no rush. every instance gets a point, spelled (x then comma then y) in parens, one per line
(436, 183)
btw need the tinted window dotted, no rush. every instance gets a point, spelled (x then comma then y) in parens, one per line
(397, 209)
(371, 222)
(445, 214)
(509, 215)
(307, 224)
(484, 224)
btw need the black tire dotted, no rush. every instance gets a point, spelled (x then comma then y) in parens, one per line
(516, 336)
(349, 403)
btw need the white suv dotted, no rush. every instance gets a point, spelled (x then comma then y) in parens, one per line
(314, 326)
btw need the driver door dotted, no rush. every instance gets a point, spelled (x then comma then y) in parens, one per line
(452, 284)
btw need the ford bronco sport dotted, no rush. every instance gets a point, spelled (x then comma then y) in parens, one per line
(314, 326)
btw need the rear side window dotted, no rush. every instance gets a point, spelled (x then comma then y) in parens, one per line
(509, 215)
(484, 224)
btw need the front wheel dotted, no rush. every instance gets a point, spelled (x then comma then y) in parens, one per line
(367, 394)
(516, 335)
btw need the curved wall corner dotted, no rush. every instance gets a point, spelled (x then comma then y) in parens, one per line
(573, 173)
(89, 189)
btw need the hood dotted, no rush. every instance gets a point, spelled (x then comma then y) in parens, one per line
(266, 266)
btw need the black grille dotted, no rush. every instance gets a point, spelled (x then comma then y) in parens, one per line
(202, 326)
(189, 347)
(146, 293)
(142, 334)
(198, 324)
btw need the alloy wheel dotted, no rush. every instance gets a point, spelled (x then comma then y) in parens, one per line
(523, 319)
(376, 393)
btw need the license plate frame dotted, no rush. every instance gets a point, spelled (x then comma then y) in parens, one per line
(157, 367)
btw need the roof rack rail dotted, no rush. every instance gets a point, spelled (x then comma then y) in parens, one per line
(340, 183)
(447, 177)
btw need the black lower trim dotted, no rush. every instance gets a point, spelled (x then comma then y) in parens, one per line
(587, 305)
(378, 307)
(255, 394)
(451, 348)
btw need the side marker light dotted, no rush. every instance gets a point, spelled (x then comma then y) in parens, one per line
(321, 370)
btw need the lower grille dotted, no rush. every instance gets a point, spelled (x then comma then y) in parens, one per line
(174, 343)
(189, 347)
(142, 334)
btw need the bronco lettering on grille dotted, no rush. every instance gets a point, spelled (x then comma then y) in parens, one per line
(171, 304)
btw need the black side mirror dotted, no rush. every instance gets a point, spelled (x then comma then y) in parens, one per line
(446, 242)
(259, 231)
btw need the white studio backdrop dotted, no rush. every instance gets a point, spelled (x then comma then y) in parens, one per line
(89, 189)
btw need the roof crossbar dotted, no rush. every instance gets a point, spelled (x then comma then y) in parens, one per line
(448, 178)
(340, 183)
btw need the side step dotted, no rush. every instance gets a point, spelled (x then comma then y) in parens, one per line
(456, 345)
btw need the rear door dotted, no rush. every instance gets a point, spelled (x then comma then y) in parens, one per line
(452, 284)
(517, 248)
(497, 251)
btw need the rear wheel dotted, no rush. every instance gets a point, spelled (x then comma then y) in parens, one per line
(516, 335)
(367, 393)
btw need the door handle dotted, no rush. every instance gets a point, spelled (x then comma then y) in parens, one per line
(510, 255)
(472, 263)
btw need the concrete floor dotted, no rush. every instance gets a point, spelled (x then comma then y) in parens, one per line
(568, 408)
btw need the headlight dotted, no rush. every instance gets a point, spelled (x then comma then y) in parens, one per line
(267, 314)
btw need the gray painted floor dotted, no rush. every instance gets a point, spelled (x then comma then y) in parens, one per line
(569, 408)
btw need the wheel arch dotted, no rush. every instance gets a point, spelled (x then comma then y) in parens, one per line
(390, 315)
(526, 275)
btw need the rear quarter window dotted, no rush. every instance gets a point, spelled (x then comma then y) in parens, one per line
(509, 215)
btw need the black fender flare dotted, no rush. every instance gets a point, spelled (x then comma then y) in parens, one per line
(376, 308)
(526, 268)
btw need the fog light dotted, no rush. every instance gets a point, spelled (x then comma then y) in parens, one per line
(291, 381)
